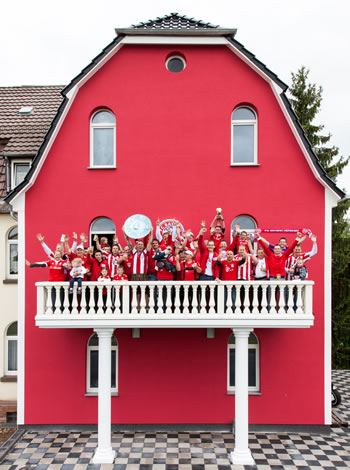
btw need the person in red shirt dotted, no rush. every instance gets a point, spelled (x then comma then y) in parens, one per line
(97, 263)
(208, 257)
(57, 273)
(217, 229)
(120, 276)
(229, 270)
(152, 272)
(187, 268)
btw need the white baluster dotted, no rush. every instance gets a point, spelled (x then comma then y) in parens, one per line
(195, 300)
(273, 303)
(308, 299)
(203, 306)
(109, 300)
(134, 299)
(66, 310)
(177, 300)
(229, 299)
(168, 298)
(151, 302)
(143, 300)
(75, 302)
(49, 305)
(246, 299)
(264, 300)
(238, 299)
(100, 301)
(220, 299)
(186, 303)
(255, 299)
(299, 300)
(212, 299)
(127, 291)
(83, 310)
(117, 298)
(290, 308)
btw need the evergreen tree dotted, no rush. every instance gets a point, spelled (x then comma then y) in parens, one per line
(306, 99)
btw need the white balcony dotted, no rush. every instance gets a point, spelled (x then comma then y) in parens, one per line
(265, 304)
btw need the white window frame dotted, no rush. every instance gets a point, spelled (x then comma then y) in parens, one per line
(94, 390)
(7, 340)
(255, 347)
(102, 126)
(245, 122)
(100, 232)
(14, 163)
(9, 243)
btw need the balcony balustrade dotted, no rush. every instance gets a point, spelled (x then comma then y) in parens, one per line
(270, 304)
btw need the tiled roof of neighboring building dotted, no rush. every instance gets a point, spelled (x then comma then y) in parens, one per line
(175, 24)
(22, 133)
(26, 131)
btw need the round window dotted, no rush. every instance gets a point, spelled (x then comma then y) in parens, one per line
(175, 64)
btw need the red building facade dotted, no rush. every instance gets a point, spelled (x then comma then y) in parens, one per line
(175, 157)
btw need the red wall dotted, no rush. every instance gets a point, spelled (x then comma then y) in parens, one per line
(173, 160)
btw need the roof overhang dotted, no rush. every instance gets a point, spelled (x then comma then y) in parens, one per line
(176, 32)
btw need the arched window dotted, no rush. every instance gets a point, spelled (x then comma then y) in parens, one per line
(11, 349)
(244, 136)
(12, 253)
(92, 365)
(253, 364)
(246, 222)
(103, 227)
(103, 140)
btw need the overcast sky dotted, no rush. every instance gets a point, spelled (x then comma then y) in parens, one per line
(47, 43)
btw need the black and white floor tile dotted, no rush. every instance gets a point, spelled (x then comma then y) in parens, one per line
(187, 451)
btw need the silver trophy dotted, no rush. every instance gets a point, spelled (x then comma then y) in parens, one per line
(137, 226)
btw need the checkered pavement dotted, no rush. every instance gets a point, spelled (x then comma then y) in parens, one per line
(187, 450)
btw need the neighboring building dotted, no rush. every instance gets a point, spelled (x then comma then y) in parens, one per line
(26, 113)
(173, 119)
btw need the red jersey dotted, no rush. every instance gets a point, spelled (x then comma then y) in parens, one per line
(244, 243)
(96, 267)
(56, 270)
(152, 262)
(217, 237)
(229, 270)
(245, 271)
(122, 277)
(163, 273)
(188, 272)
(127, 264)
(277, 262)
(139, 261)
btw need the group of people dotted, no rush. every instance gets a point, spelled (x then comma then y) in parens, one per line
(176, 255)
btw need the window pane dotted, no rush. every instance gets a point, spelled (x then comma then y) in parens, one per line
(12, 329)
(232, 368)
(93, 341)
(13, 258)
(102, 224)
(103, 147)
(251, 368)
(113, 369)
(93, 369)
(246, 222)
(243, 114)
(103, 117)
(21, 169)
(12, 355)
(13, 234)
(243, 144)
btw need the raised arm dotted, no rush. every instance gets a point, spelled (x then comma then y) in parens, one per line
(158, 234)
(150, 238)
(127, 239)
(97, 241)
(74, 244)
(43, 244)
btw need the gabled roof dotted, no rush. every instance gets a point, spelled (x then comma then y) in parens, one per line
(176, 24)
(21, 134)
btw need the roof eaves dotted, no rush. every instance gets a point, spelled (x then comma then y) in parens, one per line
(92, 64)
(257, 62)
(176, 32)
(308, 147)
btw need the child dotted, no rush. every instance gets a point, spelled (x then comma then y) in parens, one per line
(104, 275)
(300, 270)
(120, 276)
(77, 273)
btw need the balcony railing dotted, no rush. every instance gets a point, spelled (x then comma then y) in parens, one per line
(177, 304)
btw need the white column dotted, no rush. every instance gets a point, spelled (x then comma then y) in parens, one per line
(241, 454)
(104, 452)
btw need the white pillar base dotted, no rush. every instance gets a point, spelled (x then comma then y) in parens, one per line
(239, 457)
(104, 456)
